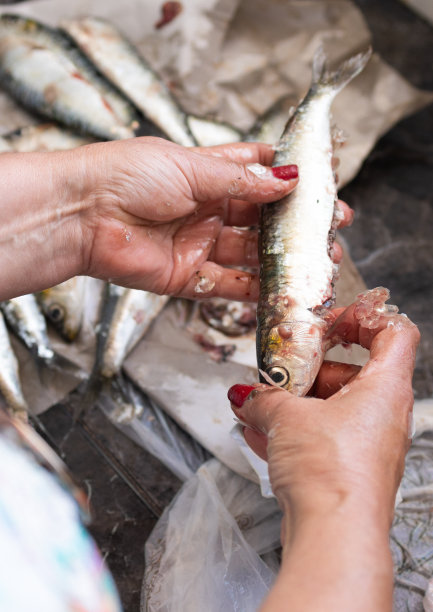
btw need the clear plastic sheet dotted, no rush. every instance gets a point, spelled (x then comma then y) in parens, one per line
(155, 431)
(204, 553)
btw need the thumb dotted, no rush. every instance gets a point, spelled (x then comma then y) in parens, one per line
(258, 406)
(259, 409)
(212, 178)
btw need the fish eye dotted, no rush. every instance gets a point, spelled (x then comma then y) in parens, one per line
(56, 313)
(279, 375)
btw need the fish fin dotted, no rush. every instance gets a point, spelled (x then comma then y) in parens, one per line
(324, 79)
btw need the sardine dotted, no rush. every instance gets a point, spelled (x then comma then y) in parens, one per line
(46, 137)
(121, 64)
(297, 235)
(48, 74)
(134, 311)
(27, 322)
(10, 386)
(63, 305)
(126, 315)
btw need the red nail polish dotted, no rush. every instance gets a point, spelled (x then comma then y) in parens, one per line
(285, 172)
(238, 394)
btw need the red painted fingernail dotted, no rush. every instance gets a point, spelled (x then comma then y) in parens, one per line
(238, 394)
(285, 172)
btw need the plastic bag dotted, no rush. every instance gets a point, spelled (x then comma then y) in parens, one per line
(203, 554)
(155, 431)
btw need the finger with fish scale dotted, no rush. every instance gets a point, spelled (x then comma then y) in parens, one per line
(126, 315)
(26, 321)
(46, 72)
(117, 60)
(296, 267)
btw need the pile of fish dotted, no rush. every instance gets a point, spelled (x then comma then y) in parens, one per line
(87, 78)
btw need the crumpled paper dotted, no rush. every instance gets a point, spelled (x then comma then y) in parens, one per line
(230, 59)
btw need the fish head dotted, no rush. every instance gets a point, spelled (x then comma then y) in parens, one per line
(62, 314)
(291, 353)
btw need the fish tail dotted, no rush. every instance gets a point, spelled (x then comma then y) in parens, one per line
(324, 79)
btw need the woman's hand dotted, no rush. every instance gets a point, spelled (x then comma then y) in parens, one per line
(143, 213)
(162, 216)
(354, 434)
(335, 462)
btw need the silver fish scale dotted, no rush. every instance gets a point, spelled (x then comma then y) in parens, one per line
(300, 223)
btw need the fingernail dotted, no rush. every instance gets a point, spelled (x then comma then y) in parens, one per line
(238, 394)
(285, 173)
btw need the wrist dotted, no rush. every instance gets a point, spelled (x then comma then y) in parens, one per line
(345, 501)
(42, 197)
(331, 552)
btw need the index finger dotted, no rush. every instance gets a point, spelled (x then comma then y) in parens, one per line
(242, 152)
(392, 343)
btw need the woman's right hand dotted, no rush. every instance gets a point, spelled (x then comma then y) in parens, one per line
(335, 462)
(351, 439)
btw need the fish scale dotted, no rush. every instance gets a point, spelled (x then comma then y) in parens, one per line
(296, 236)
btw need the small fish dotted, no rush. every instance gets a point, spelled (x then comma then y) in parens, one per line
(45, 137)
(297, 234)
(10, 386)
(121, 64)
(63, 305)
(48, 74)
(126, 315)
(27, 322)
(209, 133)
(132, 315)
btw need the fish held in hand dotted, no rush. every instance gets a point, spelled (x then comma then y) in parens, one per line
(297, 271)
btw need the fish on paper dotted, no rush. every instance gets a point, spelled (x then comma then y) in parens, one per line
(120, 63)
(48, 74)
